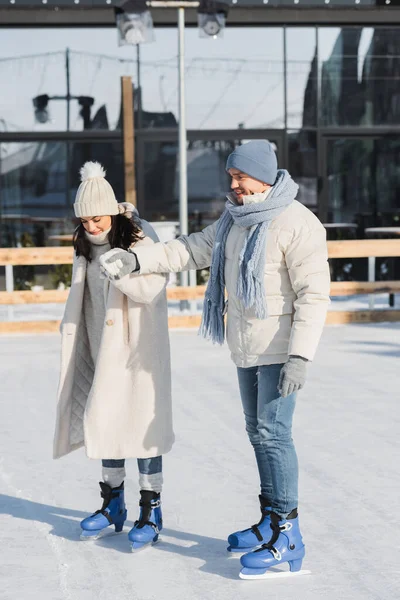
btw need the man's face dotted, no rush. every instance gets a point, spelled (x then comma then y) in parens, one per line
(244, 185)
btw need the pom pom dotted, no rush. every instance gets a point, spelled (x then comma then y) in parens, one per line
(91, 170)
(127, 209)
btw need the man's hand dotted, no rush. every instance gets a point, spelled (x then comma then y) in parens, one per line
(117, 263)
(293, 376)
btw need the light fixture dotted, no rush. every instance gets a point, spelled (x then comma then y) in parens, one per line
(134, 22)
(42, 115)
(211, 18)
(86, 103)
(40, 105)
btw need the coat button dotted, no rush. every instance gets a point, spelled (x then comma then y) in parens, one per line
(109, 322)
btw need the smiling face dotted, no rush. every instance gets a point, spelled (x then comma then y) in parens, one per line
(244, 185)
(96, 225)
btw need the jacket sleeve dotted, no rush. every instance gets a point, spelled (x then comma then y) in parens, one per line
(307, 263)
(143, 289)
(183, 254)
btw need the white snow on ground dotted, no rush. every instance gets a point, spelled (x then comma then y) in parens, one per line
(347, 432)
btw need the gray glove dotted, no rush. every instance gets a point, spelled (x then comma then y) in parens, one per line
(117, 263)
(293, 376)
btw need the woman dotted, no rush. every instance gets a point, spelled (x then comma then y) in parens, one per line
(114, 394)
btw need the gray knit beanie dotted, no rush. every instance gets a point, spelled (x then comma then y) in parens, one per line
(257, 159)
(95, 196)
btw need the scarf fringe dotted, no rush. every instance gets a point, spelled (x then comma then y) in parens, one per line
(212, 325)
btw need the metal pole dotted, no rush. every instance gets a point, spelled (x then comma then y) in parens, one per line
(68, 87)
(371, 277)
(139, 88)
(10, 288)
(68, 149)
(183, 200)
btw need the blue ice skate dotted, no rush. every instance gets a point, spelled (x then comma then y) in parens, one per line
(148, 526)
(249, 539)
(113, 512)
(285, 546)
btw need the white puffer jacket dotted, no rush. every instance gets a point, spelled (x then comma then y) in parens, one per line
(297, 285)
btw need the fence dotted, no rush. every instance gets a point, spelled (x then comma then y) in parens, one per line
(371, 249)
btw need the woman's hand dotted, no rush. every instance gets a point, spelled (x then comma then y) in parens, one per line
(117, 263)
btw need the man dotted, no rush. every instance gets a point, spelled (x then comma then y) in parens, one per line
(269, 253)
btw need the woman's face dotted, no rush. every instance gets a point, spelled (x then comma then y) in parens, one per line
(96, 225)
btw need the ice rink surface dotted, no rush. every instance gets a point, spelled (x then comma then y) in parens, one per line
(347, 432)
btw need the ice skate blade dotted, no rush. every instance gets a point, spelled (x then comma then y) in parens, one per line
(135, 547)
(246, 574)
(93, 536)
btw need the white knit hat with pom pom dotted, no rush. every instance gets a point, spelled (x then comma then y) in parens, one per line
(95, 196)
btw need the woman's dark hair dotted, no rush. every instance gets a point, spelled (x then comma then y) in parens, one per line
(124, 232)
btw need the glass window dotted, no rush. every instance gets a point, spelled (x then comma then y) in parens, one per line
(236, 80)
(33, 191)
(37, 193)
(35, 62)
(302, 77)
(364, 181)
(233, 81)
(303, 165)
(220, 78)
(360, 69)
(208, 182)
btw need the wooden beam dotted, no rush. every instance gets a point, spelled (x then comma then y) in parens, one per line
(363, 248)
(338, 288)
(193, 321)
(29, 327)
(184, 321)
(128, 139)
(29, 297)
(186, 293)
(59, 297)
(64, 254)
(352, 288)
(340, 317)
(57, 255)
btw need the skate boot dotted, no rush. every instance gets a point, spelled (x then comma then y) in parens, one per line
(285, 545)
(113, 512)
(146, 529)
(249, 539)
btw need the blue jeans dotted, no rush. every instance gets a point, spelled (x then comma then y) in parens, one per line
(269, 427)
(147, 466)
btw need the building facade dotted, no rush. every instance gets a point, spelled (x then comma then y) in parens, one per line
(320, 80)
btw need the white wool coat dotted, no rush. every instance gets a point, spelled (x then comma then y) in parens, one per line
(122, 407)
(297, 285)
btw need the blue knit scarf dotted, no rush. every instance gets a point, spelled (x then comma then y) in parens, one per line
(255, 217)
